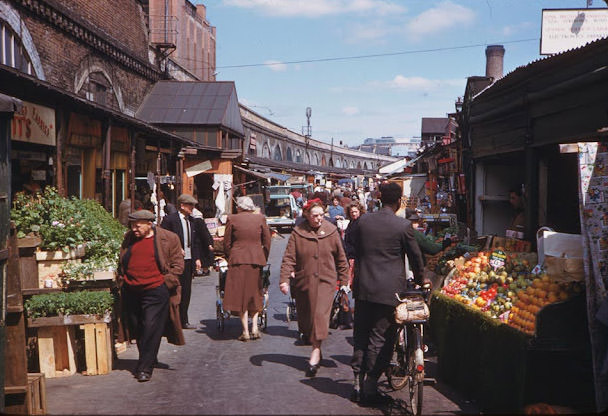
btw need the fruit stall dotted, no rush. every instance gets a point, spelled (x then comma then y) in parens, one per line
(507, 333)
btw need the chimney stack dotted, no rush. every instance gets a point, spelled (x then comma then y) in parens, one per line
(494, 61)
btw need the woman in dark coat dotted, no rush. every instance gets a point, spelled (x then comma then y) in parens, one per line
(247, 244)
(315, 260)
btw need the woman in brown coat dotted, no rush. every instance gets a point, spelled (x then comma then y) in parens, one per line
(247, 245)
(315, 260)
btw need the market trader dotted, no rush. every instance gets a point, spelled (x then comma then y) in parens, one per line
(382, 240)
(182, 223)
(150, 263)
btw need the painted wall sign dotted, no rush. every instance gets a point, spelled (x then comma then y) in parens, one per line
(34, 124)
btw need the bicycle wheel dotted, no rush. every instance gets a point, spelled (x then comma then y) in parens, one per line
(397, 372)
(416, 374)
(288, 313)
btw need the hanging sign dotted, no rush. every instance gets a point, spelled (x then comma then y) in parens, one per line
(198, 168)
(34, 124)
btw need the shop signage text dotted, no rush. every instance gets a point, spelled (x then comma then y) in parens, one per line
(34, 124)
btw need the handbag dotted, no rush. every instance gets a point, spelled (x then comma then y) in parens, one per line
(411, 308)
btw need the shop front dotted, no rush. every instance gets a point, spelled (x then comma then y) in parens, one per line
(541, 139)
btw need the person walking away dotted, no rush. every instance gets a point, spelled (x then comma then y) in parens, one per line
(247, 244)
(382, 240)
(182, 224)
(205, 242)
(149, 266)
(315, 261)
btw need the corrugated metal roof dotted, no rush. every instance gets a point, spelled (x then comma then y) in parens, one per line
(193, 103)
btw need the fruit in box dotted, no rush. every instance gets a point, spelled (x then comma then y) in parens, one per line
(509, 293)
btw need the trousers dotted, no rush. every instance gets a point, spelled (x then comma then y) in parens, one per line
(185, 280)
(374, 336)
(147, 311)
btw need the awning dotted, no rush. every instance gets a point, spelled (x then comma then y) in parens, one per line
(9, 104)
(278, 176)
(252, 172)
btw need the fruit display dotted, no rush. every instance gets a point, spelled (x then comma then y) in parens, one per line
(503, 287)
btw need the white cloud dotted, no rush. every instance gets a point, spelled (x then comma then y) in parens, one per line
(350, 111)
(317, 8)
(276, 66)
(515, 29)
(400, 82)
(445, 15)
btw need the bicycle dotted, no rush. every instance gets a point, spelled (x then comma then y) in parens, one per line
(407, 364)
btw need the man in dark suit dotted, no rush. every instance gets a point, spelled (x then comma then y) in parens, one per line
(382, 240)
(182, 224)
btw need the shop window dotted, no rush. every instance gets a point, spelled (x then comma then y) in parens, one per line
(12, 52)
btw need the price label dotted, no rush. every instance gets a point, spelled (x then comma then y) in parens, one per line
(498, 259)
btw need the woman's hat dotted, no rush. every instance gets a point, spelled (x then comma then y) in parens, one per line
(245, 203)
(411, 214)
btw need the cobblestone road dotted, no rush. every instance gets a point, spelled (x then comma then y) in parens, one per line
(216, 374)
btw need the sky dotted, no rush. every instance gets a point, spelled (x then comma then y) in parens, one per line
(287, 55)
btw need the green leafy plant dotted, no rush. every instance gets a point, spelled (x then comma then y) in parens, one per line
(64, 223)
(69, 303)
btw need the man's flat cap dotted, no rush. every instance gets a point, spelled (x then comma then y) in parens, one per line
(141, 214)
(186, 199)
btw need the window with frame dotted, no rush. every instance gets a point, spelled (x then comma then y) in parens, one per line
(12, 52)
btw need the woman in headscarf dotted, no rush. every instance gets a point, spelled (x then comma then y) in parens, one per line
(247, 245)
(315, 260)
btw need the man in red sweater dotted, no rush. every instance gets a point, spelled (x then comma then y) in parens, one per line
(150, 263)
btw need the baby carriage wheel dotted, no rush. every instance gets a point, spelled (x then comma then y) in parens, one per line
(219, 316)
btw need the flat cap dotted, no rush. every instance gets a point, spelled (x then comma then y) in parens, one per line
(141, 214)
(186, 199)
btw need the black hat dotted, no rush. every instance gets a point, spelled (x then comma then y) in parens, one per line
(142, 214)
(411, 214)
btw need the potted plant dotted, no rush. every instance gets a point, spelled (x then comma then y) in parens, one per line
(66, 226)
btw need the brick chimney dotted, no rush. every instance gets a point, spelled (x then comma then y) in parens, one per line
(494, 61)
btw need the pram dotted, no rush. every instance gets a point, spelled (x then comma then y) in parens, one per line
(221, 265)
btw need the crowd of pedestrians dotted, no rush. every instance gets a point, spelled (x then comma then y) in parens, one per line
(157, 264)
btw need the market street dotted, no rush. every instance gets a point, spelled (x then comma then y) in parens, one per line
(216, 374)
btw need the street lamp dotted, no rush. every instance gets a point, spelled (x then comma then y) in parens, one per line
(458, 104)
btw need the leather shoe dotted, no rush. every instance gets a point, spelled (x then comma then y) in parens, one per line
(188, 326)
(312, 369)
(355, 396)
(143, 376)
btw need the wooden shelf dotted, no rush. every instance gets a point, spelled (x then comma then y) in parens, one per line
(38, 291)
(15, 389)
(494, 198)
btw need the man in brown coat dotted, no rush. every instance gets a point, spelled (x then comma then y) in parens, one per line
(150, 263)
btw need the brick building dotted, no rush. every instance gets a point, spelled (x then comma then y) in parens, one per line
(82, 68)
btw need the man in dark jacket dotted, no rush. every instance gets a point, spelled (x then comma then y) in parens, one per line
(382, 240)
(182, 224)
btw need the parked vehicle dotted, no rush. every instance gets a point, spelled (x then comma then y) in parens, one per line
(281, 211)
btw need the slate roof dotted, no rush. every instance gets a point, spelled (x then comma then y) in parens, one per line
(193, 103)
(432, 125)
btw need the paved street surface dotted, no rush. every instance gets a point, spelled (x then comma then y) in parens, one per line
(216, 374)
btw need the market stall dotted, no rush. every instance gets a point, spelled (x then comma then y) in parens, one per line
(509, 332)
(68, 254)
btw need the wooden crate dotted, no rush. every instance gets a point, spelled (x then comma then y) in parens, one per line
(36, 392)
(97, 348)
(56, 346)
